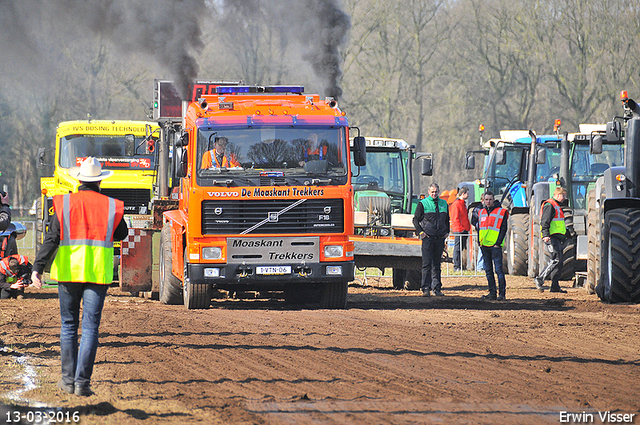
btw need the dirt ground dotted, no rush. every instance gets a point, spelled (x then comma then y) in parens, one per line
(390, 357)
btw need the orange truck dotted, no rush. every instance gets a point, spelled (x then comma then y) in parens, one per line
(265, 201)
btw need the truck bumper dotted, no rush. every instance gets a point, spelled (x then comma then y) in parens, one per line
(245, 276)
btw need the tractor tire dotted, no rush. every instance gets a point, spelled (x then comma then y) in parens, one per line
(593, 236)
(568, 248)
(398, 277)
(414, 280)
(170, 288)
(334, 295)
(517, 244)
(620, 271)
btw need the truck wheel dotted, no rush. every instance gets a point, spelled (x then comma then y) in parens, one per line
(334, 295)
(170, 291)
(414, 280)
(620, 270)
(533, 256)
(301, 294)
(517, 244)
(399, 276)
(568, 248)
(593, 236)
(196, 296)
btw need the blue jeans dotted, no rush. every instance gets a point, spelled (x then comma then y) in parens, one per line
(492, 256)
(77, 364)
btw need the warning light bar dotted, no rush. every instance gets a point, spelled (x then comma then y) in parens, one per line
(259, 89)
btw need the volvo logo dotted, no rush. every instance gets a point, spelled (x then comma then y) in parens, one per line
(327, 210)
(272, 217)
(218, 210)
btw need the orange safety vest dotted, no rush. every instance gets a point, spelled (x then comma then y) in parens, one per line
(226, 161)
(4, 264)
(87, 222)
(490, 226)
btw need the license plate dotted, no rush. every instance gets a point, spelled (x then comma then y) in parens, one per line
(273, 270)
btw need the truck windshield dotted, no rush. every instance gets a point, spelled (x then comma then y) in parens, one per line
(384, 172)
(109, 150)
(304, 150)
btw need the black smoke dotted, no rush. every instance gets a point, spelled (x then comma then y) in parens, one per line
(319, 27)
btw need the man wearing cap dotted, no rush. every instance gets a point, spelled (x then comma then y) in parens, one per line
(83, 228)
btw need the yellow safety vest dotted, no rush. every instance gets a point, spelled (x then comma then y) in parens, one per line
(490, 226)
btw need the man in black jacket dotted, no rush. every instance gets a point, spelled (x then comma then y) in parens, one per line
(490, 220)
(431, 221)
(553, 232)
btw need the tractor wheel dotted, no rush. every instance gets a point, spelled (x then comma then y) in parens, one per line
(593, 236)
(334, 295)
(517, 244)
(620, 271)
(170, 288)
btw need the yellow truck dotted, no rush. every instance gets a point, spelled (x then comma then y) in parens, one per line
(126, 147)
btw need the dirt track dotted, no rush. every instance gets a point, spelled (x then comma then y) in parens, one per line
(391, 357)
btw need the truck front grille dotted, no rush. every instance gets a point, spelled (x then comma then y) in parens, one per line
(134, 199)
(309, 216)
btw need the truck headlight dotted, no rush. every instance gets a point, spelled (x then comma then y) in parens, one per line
(333, 251)
(212, 253)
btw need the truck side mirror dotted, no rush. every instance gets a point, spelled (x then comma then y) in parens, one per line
(595, 144)
(614, 131)
(181, 164)
(359, 151)
(129, 145)
(501, 158)
(541, 156)
(183, 140)
(40, 156)
(426, 165)
(470, 162)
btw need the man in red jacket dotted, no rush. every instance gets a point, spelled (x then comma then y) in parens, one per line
(460, 226)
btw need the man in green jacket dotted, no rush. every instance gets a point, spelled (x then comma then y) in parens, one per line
(431, 221)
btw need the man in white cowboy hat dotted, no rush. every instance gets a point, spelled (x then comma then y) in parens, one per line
(82, 229)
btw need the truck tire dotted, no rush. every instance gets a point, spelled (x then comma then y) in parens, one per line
(568, 248)
(593, 236)
(517, 244)
(196, 296)
(170, 288)
(620, 271)
(534, 244)
(334, 295)
(398, 277)
(414, 280)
